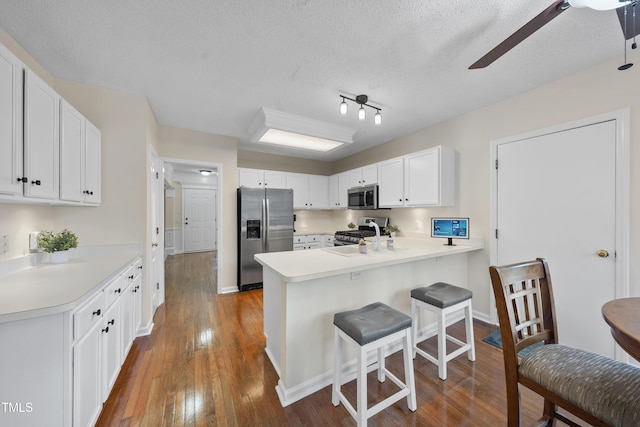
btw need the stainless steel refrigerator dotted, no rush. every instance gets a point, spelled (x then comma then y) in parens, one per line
(265, 224)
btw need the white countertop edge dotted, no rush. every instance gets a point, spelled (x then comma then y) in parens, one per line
(365, 263)
(125, 257)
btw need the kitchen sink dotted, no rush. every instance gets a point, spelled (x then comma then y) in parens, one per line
(353, 250)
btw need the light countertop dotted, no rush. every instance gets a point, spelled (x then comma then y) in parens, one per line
(299, 266)
(54, 288)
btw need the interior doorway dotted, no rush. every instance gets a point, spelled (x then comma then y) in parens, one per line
(560, 194)
(200, 221)
(180, 178)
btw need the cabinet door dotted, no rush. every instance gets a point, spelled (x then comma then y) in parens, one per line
(422, 183)
(370, 174)
(137, 305)
(355, 178)
(250, 178)
(338, 185)
(299, 183)
(110, 353)
(86, 378)
(275, 179)
(72, 135)
(318, 192)
(92, 164)
(11, 78)
(41, 138)
(126, 323)
(391, 183)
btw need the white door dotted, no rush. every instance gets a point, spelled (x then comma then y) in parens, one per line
(556, 199)
(199, 219)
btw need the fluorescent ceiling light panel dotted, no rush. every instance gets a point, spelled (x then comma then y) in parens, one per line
(296, 140)
(289, 130)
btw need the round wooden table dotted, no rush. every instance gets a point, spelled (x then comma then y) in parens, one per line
(623, 315)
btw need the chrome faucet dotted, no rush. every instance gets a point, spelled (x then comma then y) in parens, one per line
(377, 245)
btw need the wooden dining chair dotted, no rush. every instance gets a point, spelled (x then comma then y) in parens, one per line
(597, 389)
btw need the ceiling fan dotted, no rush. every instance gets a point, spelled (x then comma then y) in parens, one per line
(630, 29)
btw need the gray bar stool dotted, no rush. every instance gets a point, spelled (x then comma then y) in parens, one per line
(442, 299)
(372, 328)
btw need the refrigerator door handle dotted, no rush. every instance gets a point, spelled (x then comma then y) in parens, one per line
(265, 232)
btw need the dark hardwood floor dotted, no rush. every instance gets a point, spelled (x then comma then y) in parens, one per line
(204, 364)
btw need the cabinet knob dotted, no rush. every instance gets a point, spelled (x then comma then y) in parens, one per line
(23, 179)
(399, 200)
(111, 322)
(117, 291)
(140, 267)
(36, 182)
(131, 277)
(97, 312)
(106, 330)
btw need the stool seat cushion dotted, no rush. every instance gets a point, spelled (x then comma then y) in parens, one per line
(604, 387)
(371, 322)
(441, 294)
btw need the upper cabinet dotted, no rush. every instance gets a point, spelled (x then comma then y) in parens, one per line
(41, 138)
(11, 81)
(366, 175)
(424, 178)
(258, 178)
(80, 143)
(338, 186)
(309, 191)
(49, 152)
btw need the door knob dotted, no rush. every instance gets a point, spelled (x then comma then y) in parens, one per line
(602, 253)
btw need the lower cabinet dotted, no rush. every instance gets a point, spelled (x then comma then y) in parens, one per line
(103, 330)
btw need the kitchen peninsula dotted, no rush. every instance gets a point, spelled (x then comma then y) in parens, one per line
(303, 290)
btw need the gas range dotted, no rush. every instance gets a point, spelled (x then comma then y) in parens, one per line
(352, 237)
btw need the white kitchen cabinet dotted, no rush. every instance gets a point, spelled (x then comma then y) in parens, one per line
(338, 186)
(424, 178)
(309, 241)
(104, 329)
(41, 138)
(80, 143)
(430, 177)
(327, 240)
(391, 183)
(309, 191)
(258, 178)
(110, 352)
(366, 175)
(318, 192)
(11, 120)
(87, 393)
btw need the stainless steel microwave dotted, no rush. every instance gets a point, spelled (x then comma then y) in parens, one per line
(363, 197)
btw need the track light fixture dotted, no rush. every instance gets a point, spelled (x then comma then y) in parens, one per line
(362, 114)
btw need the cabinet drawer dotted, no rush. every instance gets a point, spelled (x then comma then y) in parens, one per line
(128, 276)
(88, 315)
(299, 239)
(114, 290)
(313, 238)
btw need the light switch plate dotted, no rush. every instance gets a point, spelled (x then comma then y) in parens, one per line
(33, 241)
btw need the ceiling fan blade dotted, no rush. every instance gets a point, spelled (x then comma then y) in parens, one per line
(631, 29)
(529, 28)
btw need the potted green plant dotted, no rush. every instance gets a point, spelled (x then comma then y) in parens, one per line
(351, 225)
(391, 230)
(57, 244)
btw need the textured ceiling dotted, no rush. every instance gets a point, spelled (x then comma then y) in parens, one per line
(210, 65)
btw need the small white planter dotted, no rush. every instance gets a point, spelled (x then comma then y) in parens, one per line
(59, 257)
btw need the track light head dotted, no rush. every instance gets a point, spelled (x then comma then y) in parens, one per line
(362, 114)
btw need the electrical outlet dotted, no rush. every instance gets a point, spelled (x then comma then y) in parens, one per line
(355, 275)
(33, 241)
